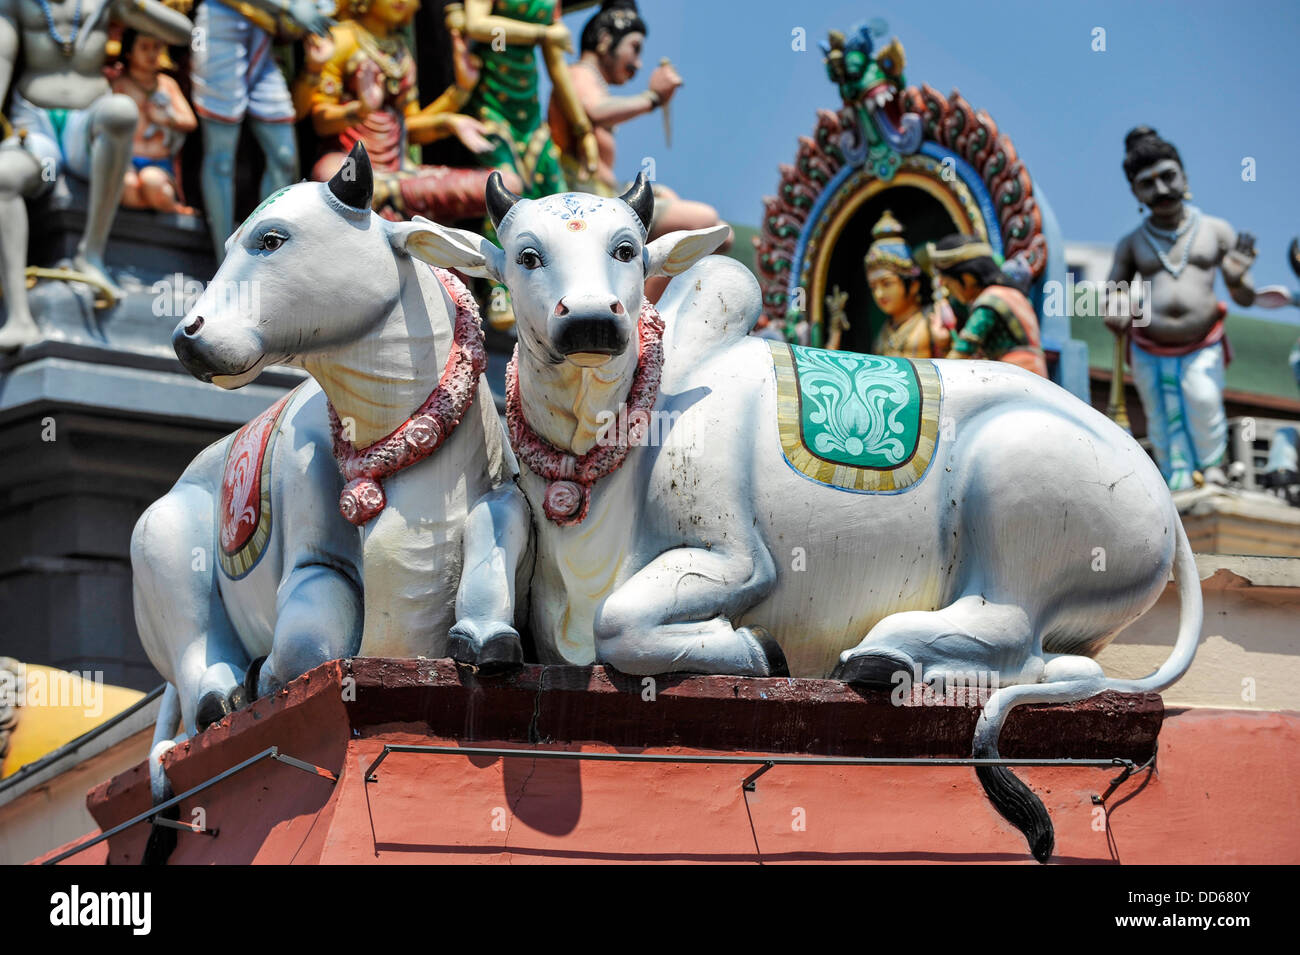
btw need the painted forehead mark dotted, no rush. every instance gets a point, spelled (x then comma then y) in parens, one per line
(573, 209)
(260, 206)
(573, 205)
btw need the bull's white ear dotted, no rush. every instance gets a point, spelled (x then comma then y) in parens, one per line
(674, 253)
(447, 248)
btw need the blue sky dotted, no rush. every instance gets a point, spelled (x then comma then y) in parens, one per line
(1218, 79)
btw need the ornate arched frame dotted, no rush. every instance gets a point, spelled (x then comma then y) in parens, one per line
(961, 160)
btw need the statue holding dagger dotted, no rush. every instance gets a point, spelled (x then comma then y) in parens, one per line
(610, 55)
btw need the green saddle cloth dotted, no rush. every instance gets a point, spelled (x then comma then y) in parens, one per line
(857, 422)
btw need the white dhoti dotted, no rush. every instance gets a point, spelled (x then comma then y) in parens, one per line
(233, 71)
(1182, 396)
(58, 138)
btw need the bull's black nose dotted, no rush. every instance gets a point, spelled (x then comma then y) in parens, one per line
(187, 350)
(597, 336)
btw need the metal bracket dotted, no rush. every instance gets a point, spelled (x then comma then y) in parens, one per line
(185, 827)
(306, 767)
(751, 781)
(1130, 769)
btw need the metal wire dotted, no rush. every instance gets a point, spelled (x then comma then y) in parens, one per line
(763, 762)
(272, 752)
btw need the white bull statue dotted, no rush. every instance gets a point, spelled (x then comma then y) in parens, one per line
(246, 574)
(710, 502)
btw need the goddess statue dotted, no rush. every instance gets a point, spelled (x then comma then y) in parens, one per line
(359, 84)
(1001, 323)
(506, 95)
(895, 280)
(506, 100)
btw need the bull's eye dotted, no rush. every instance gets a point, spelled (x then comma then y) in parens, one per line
(625, 252)
(529, 259)
(272, 240)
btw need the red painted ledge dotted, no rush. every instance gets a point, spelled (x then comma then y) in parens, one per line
(339, 715)
(540, 704)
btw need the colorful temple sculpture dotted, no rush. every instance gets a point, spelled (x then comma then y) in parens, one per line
(1177, 348)
(235, 80)
(895, 282)
(469, 506)
(610, 56)
(65, 119)
(1001, 323)
(359, 85)
(166, 118)
(506, 39)
(939, 166)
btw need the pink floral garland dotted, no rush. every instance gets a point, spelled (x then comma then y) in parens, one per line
(568, 493)
(428, 426)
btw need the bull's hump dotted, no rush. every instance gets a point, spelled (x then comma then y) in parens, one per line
(708, 308)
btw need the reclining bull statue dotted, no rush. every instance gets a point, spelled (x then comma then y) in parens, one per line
(711, 502)
(398, 431)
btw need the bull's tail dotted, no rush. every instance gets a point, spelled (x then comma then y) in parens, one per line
(1011, 797)
(162, 839)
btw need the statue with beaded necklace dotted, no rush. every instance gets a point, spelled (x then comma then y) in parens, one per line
(1178, 352)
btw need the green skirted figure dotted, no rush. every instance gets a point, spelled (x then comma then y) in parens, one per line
(506, 101)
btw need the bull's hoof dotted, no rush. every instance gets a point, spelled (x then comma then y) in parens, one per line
(776, 662)
(213, 708)
(876, 669)
(251, 679)
(492, 649)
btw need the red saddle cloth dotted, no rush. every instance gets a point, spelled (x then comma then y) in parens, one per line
(244, 517)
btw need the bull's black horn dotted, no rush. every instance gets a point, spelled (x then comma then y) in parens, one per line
(354, 183)
(499, 199)
(642, 199)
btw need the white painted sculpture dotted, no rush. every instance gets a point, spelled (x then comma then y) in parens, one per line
(784, 510)
(314, 278)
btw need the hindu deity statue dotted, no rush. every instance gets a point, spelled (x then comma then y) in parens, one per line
(503, 35)
(165, 119)
(235, 77)
(1179, 354)
(506, 97)
(610, 55)
(894, 277)
(65, 118)
(359, 85)
(1001, 324)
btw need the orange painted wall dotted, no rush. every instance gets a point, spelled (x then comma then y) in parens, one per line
(1226, 787)
(1227, 790)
